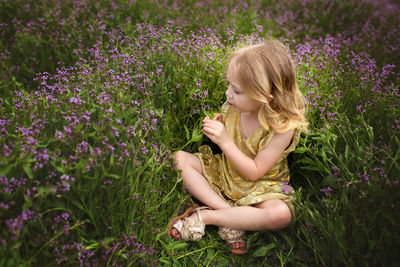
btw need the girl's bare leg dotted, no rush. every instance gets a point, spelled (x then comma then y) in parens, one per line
(196, 183)
(269, 215)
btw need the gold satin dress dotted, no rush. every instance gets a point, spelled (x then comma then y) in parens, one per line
(227, 181)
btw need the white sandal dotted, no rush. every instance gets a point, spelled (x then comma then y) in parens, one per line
(232, 236)
(189, 229)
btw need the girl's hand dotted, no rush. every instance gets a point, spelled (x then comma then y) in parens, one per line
(218, 117)
(215, 130)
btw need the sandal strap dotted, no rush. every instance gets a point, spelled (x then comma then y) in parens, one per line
(185, 214)
(198, 212)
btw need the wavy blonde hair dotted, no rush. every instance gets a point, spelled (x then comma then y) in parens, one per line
(266, 69)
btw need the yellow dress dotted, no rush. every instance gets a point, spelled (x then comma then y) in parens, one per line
(227, 181)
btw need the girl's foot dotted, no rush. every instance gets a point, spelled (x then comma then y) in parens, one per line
(234, 239)
(188, 226)
(175, 234)
(238, 247)
(176, 222)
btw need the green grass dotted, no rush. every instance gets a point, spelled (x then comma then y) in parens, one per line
(86, 144)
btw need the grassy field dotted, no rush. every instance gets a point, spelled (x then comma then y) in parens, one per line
(96, 96)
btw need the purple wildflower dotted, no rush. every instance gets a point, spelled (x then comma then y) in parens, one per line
(76, 100)
(327, 191)
(286, 188)
(82, 147)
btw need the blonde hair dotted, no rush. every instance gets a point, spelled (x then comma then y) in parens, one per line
(267, 69)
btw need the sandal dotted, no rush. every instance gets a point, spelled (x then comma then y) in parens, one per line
(231, 237)
(189, 229)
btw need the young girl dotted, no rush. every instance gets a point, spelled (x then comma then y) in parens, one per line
(246, 187)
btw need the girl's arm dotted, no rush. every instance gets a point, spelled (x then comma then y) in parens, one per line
(251, 169)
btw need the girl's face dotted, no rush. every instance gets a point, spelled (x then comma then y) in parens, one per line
(236, 96)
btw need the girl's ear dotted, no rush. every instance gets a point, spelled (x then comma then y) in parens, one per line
(270, 98)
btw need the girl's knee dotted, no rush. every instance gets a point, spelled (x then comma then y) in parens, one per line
(182, 159)
(283, 216)
(179, 158)
(185, 159)
(279, 215)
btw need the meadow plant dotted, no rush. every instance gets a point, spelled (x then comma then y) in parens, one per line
(73, 149)
(372, 26)
(352, 166)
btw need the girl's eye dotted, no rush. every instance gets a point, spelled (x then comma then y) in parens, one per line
(234, 89)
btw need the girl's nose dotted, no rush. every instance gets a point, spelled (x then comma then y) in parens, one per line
(228, 92)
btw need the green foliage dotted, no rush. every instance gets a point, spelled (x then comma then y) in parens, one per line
(95, 98)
